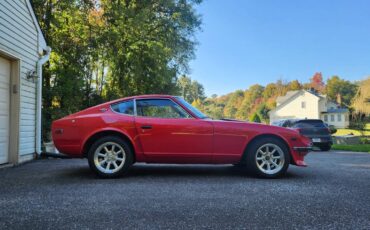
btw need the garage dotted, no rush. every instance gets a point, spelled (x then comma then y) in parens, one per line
(23, 51)
(4, 109)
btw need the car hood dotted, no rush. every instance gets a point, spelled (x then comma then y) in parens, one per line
(255, 126)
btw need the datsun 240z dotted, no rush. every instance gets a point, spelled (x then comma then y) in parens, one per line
(167, 129)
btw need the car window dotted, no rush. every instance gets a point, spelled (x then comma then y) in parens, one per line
(162, 108)
(286, 123)
(276, 123)
(191, 108)
(309, 124)
(126, 107)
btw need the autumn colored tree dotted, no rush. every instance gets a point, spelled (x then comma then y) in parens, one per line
(317, 82)
(361, 101)
(294, 85)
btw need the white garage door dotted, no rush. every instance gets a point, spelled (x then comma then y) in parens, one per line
(4, 109)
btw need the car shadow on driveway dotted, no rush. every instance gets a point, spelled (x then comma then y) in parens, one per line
(176, 171)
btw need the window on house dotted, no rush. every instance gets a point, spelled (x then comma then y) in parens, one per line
(303, 104)
(346, 117)
(332, 117)
(339, 117)
(325, 117)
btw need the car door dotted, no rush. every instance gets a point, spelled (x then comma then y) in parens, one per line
(168, 133)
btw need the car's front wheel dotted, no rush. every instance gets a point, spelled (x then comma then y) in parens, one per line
(110, 157)
(268, 157)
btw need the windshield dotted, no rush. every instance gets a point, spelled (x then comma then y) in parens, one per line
(191, 108)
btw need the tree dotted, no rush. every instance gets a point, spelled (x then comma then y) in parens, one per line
(190, 90)
(67, 78)
(197, 91)
(263, 110)
(361, 101)
(149, 43)
(294, 85)
(317, 82)
(337, 87)
(270, 90)
(233, 103)
(197, 103)
(250, 96)
(107, 49)
(255, 118)
(184, 84)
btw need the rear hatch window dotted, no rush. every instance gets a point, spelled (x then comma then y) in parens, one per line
(311, 127)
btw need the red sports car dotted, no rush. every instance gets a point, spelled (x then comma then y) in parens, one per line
(167, 129)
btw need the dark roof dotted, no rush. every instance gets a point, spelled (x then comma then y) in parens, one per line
(337, 110)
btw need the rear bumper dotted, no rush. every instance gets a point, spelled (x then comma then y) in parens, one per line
(322, 143)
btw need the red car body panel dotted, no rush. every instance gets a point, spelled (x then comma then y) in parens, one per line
(170, 140)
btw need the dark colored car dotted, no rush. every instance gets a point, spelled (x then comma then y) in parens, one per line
(315, 129)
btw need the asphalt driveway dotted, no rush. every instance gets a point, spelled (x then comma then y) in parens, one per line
(333, 192)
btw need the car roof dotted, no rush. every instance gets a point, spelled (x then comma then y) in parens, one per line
(139, 97)
(295, 120)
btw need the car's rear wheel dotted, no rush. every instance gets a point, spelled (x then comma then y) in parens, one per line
(110, 157)
(325, 147)
(268, 157)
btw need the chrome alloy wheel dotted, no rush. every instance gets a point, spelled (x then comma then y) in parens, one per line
(270, 158)
(109, 157)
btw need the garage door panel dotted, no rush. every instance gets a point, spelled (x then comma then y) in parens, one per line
(4, 109)
(4, 67)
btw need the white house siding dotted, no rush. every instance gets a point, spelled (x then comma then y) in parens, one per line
(292, 108)
(19, 37)
(341, 123)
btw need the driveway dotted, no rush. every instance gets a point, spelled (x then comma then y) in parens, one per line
(332, 193)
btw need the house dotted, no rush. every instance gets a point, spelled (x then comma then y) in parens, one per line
(310, 105)
(23, 51)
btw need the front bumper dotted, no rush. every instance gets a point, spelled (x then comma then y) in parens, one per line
(300, 152)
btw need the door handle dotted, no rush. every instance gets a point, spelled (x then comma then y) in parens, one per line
(146, 127)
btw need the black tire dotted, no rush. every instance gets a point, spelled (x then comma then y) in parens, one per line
(118, 142)
(325, 147)
(252, 152)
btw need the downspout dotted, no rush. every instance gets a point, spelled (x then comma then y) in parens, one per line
(40, 63)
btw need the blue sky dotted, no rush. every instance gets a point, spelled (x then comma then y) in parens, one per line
(244, 42)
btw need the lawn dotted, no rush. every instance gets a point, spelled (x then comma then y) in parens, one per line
(341, 132)
(354, 148)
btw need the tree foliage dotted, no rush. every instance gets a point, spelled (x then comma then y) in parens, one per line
(106, 49)
(258, 100)
(317, 82)
(255, 118)
(190, 90)
(361, 101)
(339, 89)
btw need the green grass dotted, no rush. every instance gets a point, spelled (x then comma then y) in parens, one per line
(354, 148)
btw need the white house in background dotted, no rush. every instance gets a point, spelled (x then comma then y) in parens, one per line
(306, 104)
(23, 50)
